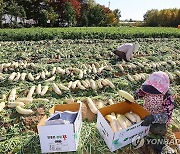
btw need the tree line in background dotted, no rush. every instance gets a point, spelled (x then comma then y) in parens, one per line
(164, 18)
(56, 13)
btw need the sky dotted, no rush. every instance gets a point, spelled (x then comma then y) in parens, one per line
(135, 9)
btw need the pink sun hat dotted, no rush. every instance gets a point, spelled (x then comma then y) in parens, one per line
(158, 80)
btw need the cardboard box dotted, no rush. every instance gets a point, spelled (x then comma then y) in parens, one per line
(60, 138)
(117, 140)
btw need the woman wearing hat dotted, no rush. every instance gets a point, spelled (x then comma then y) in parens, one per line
(125, 51)
(159, 102)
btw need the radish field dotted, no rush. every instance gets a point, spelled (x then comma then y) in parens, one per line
(32, 65)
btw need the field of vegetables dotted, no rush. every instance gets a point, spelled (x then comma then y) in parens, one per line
(30, 67)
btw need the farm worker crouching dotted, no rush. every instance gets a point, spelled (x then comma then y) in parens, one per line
(160, 103)
(125, 51)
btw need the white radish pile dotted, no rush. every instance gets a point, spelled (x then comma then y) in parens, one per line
(120, 121)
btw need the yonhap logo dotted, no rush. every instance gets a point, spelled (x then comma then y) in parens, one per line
(137, 142)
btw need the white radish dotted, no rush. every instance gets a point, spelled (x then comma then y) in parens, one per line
(30, 77)
(21, 110)
(51, 79)
(87, 81)
(23, 76)
(12, 76)
(110, 101)
(70, 84)
(74, 84)
(121, 121)
(25, 100)
(113, 122)
(110, 83)
(38, 89)
(104, 82)
(92, 106)
(94, 69)
(130, 116)
(138, 119)
(44, 90)
(2, 106)
(41, 100)
(130, 78)
(12, 95)
(80, 86)
(60, 70)
(31, 92)
(38, 76)
(56, 89)
(80, 74)
(62, 87)
(43, 76)
(100, 69)
(53, 71)
(85, 84)
(99, 83)
(93, 84)
(120, 67)
(14, 104)
(17, 77)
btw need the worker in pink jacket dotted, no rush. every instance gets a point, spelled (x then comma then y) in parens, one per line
(159, 102)
(125, 51)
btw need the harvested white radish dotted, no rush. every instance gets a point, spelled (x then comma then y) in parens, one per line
(14, 104)
(94, 69)
(38, 89)
(12, 95)
(43, 76)
(51, 79)
(30, 77)
(80, 86)
(21, 110)
(99, 83)
(31, 92)
(110, 101)
(104, 82)
(177, 73)
(17, 77)
(100, 69)
(113, 122)
(100, 104)
(120, 67)
(121, 121)
(38, 76)
(12, 76)
(130, 78)
(2, 106)
(93, 84)
(130, 116)
(108, 68)
(41, 100)
(128, 123)
(126, 95)
(62, 87)
(87, 81)
(70, 84)
(53, 71)
(74, 84)
(138, 119)
(23, 76)
(80, 74)
(92, 106)
(25, 100)
(56, 89)
(110, 83)
(85, 84)
(1, 67)
(170, 75)
(60, 70)
(1, 78)
(44, 90)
